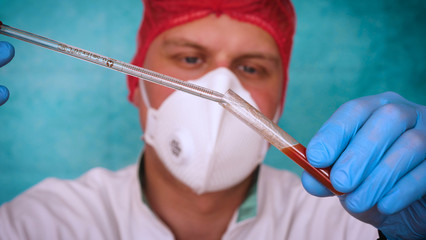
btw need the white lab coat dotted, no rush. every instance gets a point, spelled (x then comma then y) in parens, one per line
(108, 205)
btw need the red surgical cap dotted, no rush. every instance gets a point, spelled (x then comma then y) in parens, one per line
(277, 17)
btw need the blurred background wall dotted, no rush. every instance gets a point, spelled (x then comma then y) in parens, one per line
(65, 116)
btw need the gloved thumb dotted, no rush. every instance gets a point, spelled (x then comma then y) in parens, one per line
(4, 95)
(7, 51)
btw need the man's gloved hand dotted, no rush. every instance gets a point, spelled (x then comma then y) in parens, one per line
(6, 54)
(377, 147)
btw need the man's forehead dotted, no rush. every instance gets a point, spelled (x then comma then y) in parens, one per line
(222, 29)
(247, 43)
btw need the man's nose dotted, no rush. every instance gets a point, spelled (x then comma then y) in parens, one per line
(220, 60)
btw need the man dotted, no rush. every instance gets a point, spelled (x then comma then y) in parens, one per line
(184, 189)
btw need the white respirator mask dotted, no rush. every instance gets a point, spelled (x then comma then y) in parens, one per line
(201, 144)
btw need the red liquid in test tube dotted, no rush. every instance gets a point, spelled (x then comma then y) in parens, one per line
(297, 153)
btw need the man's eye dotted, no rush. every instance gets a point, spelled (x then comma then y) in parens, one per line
(192, 60)
(248, 69)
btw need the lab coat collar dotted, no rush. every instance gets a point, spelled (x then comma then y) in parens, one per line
(248, 208)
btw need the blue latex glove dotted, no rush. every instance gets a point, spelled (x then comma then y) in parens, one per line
(377, 146)
(6, 54)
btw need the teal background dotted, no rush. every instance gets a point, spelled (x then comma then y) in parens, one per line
(65, 116)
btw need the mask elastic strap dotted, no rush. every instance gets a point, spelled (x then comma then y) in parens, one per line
(277, 115)
(145, 99)
(144, 94)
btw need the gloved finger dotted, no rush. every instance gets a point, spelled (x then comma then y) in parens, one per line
(409, 189)
(404, 156)
(314, 187)
(367, 147)
(7, 51)
(333, 137)
(4, 95)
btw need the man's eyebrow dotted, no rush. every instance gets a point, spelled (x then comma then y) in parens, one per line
(263, 56)
(182, 43)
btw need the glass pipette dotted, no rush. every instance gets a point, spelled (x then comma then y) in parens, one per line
(230, 100)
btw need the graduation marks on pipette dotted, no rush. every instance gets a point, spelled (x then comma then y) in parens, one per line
(109, 62)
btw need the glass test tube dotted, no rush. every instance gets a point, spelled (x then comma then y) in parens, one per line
(276, 136)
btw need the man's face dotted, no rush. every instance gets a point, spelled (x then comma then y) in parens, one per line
(191, 50)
